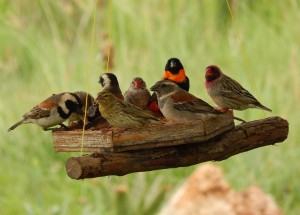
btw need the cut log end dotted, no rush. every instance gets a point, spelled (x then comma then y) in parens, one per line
(74, 168)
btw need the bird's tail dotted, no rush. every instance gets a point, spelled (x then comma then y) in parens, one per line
(260, 106)
(16, 125)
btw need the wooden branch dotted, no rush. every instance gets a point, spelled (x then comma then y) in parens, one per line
(242, 138)
(117, 140)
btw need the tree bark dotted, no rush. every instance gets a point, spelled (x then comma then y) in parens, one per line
(242, 138)
(146, 137)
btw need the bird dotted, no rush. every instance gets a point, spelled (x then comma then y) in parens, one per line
(122, 114)
(178, 105)
(109, 83)
(228, 93)
(52, 111)
(138, 94)
(76, 120)
(174, 71)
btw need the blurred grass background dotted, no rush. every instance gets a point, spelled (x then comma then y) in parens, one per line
(45, 49)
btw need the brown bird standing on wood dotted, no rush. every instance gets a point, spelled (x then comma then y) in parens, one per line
(52, 111)
(178, 105)
(122, 114)
(138, 94)
(228, 93)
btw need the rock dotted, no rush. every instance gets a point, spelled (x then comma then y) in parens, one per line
(206, 192)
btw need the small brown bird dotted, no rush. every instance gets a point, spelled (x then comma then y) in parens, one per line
(52, 111)
(174, 71)
(138, 94)
(122, 114)
(228, 93)
(178, 105)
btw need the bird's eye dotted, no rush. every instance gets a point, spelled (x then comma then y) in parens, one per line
(163, 85)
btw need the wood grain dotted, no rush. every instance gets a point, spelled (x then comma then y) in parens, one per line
(117, 140)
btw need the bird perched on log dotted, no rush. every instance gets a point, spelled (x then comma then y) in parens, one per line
(228, 93)
(52, 111)
(76, 119)
(122, 114)
(138, 94)
(109, 83)
(178, 105)
(174, 71)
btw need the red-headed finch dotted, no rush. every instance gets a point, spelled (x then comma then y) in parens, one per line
(178, 105)
(122, 114)
(175, 72)
(228, 93)
(138, 94)
(52, 111)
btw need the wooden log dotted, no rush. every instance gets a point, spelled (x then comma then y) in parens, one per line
(117, 140)
(242, 138)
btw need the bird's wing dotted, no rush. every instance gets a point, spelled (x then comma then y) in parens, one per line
(232, 89)
(136, 111)
(38, 113)
(186, 101)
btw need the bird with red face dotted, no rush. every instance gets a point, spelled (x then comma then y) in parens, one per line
(178, 105)
(138, 94)
(228, 93)
(175, 72)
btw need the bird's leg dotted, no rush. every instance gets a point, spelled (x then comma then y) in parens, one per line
(231, 112)
(239, 119)
(64, 127)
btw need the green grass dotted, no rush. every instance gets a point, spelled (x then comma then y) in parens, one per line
(45, 49)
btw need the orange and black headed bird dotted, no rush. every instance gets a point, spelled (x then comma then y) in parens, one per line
(174, 71)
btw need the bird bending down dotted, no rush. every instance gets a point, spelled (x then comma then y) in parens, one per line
(52, 111)
(178, 105)
(122, 114)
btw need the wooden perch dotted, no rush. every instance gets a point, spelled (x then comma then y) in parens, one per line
(148, 137)
(242, 138)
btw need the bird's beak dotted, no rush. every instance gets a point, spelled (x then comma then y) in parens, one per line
(208, 72)
(137, 84)
(173, 64)
(154, 88)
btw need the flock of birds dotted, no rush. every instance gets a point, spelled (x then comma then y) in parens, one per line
(138, 107)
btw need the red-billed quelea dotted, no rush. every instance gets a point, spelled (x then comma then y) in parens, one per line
(178, 105)
(52, 111)
(138, 94)
(228, 93)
